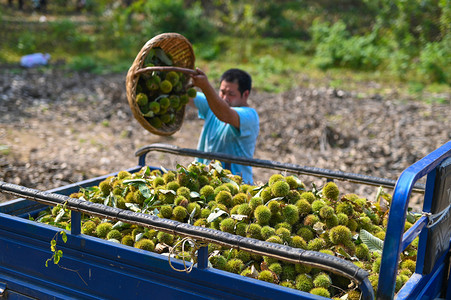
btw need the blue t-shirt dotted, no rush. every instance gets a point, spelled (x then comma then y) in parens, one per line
(221, 137)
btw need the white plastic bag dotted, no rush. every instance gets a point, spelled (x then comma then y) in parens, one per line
(35, 59)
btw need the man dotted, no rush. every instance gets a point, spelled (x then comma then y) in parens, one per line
(231, 126)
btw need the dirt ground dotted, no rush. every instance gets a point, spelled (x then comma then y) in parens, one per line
(59, 127)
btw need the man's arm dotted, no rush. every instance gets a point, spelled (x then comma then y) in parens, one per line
(220, 108)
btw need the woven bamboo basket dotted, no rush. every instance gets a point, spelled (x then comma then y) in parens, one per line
(182, 54)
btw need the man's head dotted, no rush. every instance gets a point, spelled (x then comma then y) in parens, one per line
(235, 87)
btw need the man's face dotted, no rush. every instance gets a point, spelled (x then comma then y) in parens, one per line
(228, 91)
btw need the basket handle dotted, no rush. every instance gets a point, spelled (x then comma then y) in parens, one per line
(167, 69)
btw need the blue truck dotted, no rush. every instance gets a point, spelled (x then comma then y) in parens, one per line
(93, 268)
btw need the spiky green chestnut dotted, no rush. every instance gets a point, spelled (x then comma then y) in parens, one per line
(208, 192)
(114, 234)
(304, 207)
(345, 208)
(240, 229)
(227, 225)
(317, 205)
(306, 233)
(276, 268)
(179, 213)
(287, 283)
(205, 212)
(274, 178)
(266, 275)
(274, 206)
(245, 209)
(322, 280)
(166, 238)
(165, 103)
(201, 222)
(225, 198)
(194, 206)
(102, 229)
(128, 240)
(276, 239)
(262, 214)
(89, 227)
(266, 194)
(362, 252)
(408, 264)
(284, 233)
(376, 265)
(311, 220)
(142, 99)
(280, 188)
(254, 231)
(400, 281)
(255, 201)
(267, 231)
(298, 242)
(155, 122)
(166, 211)
(292, 182)
(234, 265)
(145, 244)
(165, 86)
(191, 92)
(320, 291)
(316, 244)
(354, 295)
(291, 214)
(304, 282)
(239, 198)
(331, 191)
(173, 77)
(302, 269)
(342, 219)
(218, 262)
(309, 196)
(175, 101)
(154, 107)
(340, 235)
(288, 272)
(326, 212)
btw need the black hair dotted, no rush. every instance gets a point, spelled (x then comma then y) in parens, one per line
(241, 77)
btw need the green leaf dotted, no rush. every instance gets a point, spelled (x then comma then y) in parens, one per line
(342, 252)
(145, 191)
(167, 192)
(119, 225)
(139, 236)
(374, 244)
(191, 216)
(162, 56)
(59, 215)
(64, 236)
(194, 195)
(238, 217)
(217, 166)
(133, 207)
(228, 180)
(216, 213)
(132, 181)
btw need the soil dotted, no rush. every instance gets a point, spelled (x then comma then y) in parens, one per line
(59, 127)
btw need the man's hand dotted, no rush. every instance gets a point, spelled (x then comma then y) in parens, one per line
(201, 80)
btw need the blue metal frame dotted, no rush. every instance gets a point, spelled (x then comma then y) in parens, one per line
(93, 268)
(393, 245)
